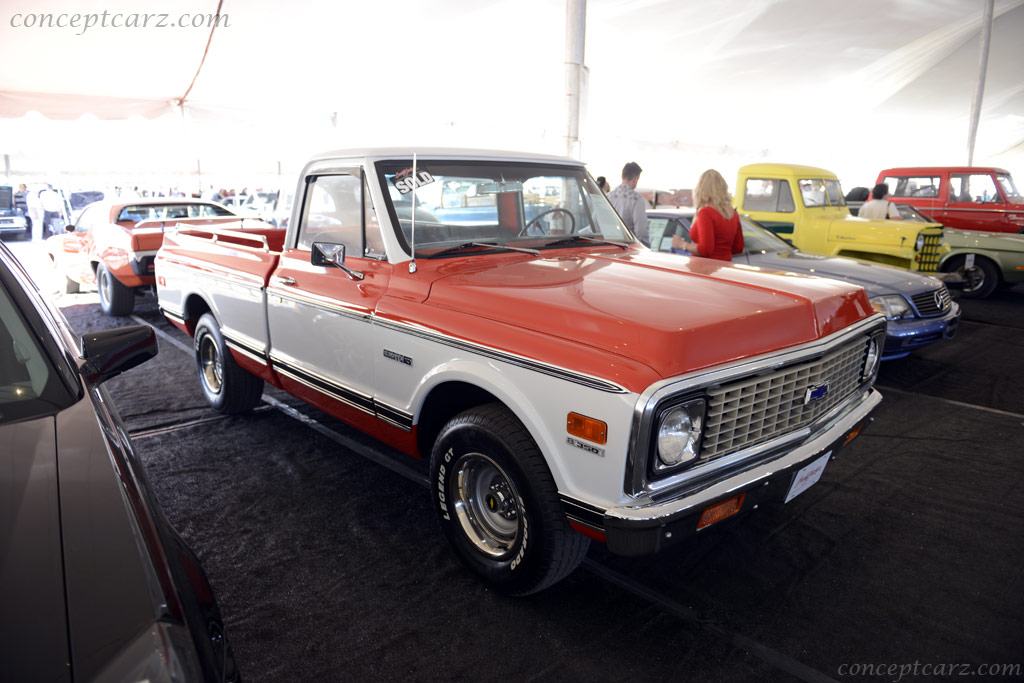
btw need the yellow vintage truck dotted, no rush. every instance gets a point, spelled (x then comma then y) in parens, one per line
(805, 206)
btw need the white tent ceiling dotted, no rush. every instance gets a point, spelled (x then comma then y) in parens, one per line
(678, 86)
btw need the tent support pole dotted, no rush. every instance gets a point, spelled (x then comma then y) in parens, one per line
(986, 38)
(575, 38)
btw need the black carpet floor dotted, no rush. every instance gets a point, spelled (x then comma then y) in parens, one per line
(330, 566)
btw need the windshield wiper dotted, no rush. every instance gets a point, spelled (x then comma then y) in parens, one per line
(487, 245)
(582, 238)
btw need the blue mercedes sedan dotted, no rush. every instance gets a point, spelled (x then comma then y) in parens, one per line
(918, 308)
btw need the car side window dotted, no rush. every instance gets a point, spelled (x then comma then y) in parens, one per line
(978, 188)
(913, 186)
(656, 230)
(333, 212)
(768, 194)
(786, 204)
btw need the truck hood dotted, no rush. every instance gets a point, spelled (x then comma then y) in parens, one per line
(672, 314)
(976, 239)
(875, 278)
(855, 230)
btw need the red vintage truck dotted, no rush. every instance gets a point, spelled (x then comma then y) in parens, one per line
(963, 197)
(490, 312)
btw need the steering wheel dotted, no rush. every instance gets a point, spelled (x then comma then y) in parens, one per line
(572, 220)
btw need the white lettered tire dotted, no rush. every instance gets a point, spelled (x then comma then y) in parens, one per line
(498, 505)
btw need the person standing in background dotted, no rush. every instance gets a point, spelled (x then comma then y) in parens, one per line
(878, 208)
(716, 231)
(53, 211)
(631, 206)
(21, 206)
(602, 183)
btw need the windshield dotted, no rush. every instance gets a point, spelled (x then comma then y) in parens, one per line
(821, 192)
(1009, 189)
(909, 213)
(758, 240)
(515, 204)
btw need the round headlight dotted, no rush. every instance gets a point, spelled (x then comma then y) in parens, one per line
(874, 357)
(677, 437)
(919, 244)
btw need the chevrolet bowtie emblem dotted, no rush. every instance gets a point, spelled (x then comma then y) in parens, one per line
(815, 393)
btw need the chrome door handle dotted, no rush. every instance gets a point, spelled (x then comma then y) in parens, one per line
(284, 280)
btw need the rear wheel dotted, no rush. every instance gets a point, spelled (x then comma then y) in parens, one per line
(980, 280)
(115, 298)
(498, 505)
(228, 388)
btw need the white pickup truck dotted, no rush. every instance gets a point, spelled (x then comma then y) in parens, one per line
(489, 311)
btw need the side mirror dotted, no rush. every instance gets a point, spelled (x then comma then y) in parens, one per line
(327, 254)
(332, 255)
(108, 353)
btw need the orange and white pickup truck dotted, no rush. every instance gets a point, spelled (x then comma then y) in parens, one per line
(489, 311)
(113, 243)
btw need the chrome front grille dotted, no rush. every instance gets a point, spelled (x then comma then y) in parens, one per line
(750, 411)
(934, 302)
(928, 258)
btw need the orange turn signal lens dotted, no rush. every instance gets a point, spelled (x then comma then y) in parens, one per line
(587, 428)
(719, 511)
(853, 435)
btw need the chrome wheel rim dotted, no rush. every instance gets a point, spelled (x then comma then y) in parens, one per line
(974, 278)
(487, 505)
(104, 286)
(210, 369)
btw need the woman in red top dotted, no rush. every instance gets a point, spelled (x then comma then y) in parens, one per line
(716, 231)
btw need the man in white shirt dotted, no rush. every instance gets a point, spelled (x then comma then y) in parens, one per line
(53, 211)
(632, 207)
(878, 208)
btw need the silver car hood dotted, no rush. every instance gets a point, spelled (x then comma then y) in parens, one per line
(875, 278)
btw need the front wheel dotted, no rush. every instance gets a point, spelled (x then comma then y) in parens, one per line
(115, 298)
(980, 280)
(498, 505)
(228, 388)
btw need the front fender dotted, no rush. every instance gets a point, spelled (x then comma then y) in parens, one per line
(542, 403)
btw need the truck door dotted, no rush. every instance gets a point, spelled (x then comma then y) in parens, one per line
(975, 203)
(769, 201)
(319, 316)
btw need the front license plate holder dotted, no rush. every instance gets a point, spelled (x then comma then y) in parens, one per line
(808, 476)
